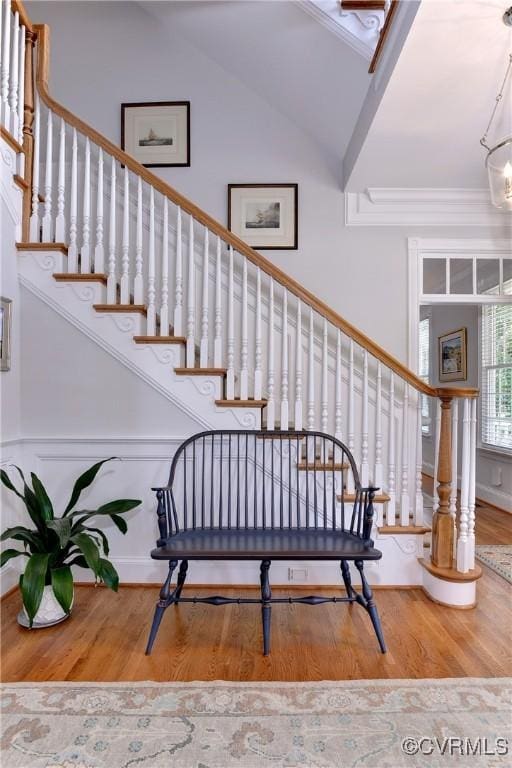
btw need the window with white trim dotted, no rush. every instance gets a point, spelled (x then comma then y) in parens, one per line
(424, 372)
(496, 376)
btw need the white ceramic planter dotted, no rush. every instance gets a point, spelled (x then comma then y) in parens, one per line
(50, 612)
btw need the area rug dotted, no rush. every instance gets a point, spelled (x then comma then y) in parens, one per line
(498, 557)
(378, 724)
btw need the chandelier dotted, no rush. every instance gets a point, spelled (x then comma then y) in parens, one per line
(499, 156)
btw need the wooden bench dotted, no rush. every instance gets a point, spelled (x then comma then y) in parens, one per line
(242, 495)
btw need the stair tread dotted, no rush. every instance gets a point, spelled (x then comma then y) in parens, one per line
(79, 277)
(9, 138)
(120, 308)
(159, 339)
(42, 247)
(379, 498)
(201, 371)
(237, 403)
(320, 466)
(401, 529)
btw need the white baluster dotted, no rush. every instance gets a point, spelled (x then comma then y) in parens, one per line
(298, 368)
(73, 207)
(337, 391)
(365, 469)
(151, 307)
(99, 251)
(271, 405)
(13, 90)
(138, 282)
(324, 406)
(378, 477)
(463, 546)
(111, 277)
(164, 303)
(21, 83)
(284, 364)
(85, 251)
(203, 350)
(455, 449)
(178, 304)
(60, 221)
(230, 373)
(47, 218)
(391, 505)
(34, 226)
(6, 63)
(472, 487)
(244, 345)
(191, 299)
(310, 416)
(351, 412)
(125, 243)
(257, 340)
(418, 505)
(437, 440)
(404, 495)
(217, 342)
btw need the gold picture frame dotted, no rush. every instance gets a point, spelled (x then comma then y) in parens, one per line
(453, 356)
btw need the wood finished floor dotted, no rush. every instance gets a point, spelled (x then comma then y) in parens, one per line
(106, 636)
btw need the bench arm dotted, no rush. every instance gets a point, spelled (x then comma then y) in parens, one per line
(161, 513)
(370, 492)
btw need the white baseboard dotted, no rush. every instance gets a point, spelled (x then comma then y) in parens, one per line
(9, 578)
(494, 496)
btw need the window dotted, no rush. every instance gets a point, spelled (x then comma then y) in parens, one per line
(424, 372)
(496, 373)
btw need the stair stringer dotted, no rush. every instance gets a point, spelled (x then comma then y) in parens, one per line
(114, 333)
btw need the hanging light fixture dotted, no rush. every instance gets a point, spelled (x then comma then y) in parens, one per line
(499, 156)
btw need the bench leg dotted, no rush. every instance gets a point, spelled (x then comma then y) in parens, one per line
(266, 608)
(347, 580)
(164, 601)
(370, 606)
(182, 575)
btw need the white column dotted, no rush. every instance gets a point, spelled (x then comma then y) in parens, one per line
(73, 207)
(404, 495)
(85, 250)
(472, 487)
(378, 473)
(151, 307)
(99, 248)
(453, 491)
(298, 368)
(337, 397)
(35, 233)
(125, 244)
(324, 404)
(60, 221)
(310, 417)
(257, 340)
(391, 505)
(13, 90)
(463, 545)
(271, 405)
(164, 294)
(217, 342)
(191, 299)
(284, 364)
(351, 414)
(230, 373)
(6, 63)
(178, 302)
(47, 217)
(418, 503)
(244, 346)
(203, 350)
(111, 277)
(365, 469)
(21, 83)
(138, 282)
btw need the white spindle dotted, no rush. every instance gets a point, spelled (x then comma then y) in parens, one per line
(351, 413)
(111, 277)
(178, 303)
(13, 90)
(298, 368)
(73, 203)
(244, 345)
(6, 63)
(324, 405)
(404, 495)
(310, 416)
(191, 299)
(365, 469)
(472, 487)
(34, 225)
(99, 251)
(454, 448)
(230, 373)
(284, 364)
(418, 503)
(337, 391)
(437, 441)
(151, 306)
(203, 350)
(217, 342)
(164, 295)
(47, 218)
(125, 243)
(271, 405)
(138, 282)
(378, 473)
(463, 546)
(60, 221)
(85, 251)
(257, 340)
(391, 505)
(21, 83)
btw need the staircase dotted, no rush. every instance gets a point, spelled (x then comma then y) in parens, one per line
(218, 329)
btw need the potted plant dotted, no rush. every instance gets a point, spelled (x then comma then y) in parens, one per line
(57, 543)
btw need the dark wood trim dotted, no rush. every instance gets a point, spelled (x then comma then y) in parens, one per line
(141, 104)
(293, 186)
(11, 141)
(383, 35)
(363, 5)
(20, 182)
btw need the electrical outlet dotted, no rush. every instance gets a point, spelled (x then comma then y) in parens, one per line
(297, 574)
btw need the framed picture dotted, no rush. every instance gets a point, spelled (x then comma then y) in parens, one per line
(264, 215)
(452, 356)
(157, 134)
(5, 333)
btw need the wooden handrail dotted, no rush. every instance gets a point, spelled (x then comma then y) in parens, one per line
(42, 77)
(17, 5)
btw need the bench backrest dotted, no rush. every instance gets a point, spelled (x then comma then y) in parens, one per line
(246, 479)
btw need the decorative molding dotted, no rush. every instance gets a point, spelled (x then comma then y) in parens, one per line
(428, 206)
(358, 29)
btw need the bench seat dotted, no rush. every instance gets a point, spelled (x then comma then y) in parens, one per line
(258, 544)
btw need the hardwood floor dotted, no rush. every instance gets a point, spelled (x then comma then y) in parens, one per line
(106, 636)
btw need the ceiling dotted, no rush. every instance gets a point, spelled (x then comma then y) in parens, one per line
(427, 130)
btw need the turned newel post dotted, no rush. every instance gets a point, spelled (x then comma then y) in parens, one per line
(28, 137)
(442, 523)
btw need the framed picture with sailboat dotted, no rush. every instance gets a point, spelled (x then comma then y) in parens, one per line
(157, 133)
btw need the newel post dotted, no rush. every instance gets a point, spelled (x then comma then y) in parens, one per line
(442, 523)
(28, 136)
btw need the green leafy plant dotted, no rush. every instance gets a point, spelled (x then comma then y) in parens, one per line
(57, 543)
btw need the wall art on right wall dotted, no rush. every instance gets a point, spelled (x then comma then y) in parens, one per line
(452, 356)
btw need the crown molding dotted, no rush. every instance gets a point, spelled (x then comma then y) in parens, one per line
(362, 40)
(428, 206)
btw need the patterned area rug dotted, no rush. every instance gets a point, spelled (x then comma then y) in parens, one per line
(498, 557)
(378, 724)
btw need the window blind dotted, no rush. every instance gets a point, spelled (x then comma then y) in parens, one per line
(424, 372)
(496, 376)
